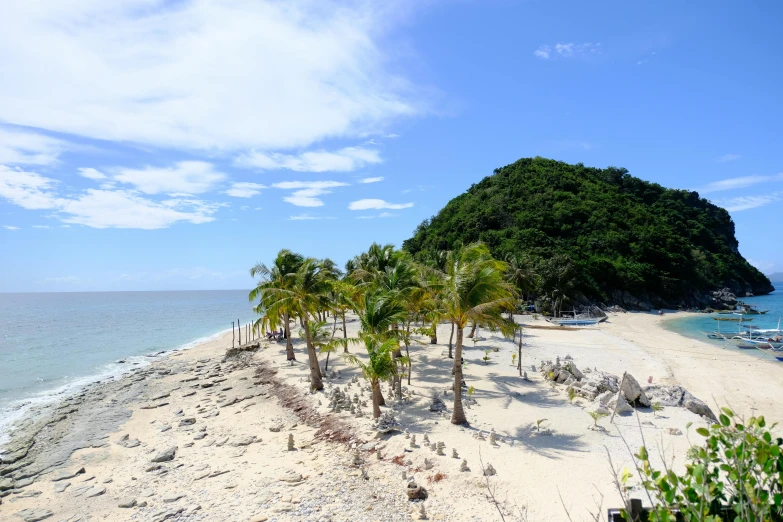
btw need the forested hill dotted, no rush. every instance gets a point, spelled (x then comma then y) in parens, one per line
(597, 234)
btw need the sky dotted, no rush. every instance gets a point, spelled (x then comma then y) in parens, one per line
(156, 145)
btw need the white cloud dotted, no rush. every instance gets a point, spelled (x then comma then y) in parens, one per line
(90, 173)
(22, 147)
(381, 215)
(371, 180)
(258, 208)
(244, 74)
(377, 204)
(748, 202)
(244, 189)
(244, 207)
(306, 192)
(191, 177)
(9, 227)
(738, 183)
(100, 208)
(64, 279)
(307, 217)
(26, 189)
(728, 157)
(343, 160)
(41, 226)
(567, 50)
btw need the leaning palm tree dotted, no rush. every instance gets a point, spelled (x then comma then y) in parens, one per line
(301, 295)
(379, 367)
(276, 276)
(323, 339)
(474, 291)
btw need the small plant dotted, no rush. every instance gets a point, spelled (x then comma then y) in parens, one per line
(657, 408)
(535, 317)
(551, 376)
(571, 395)
(486, 355)
(513, 359)
(471, 389)
(597, 415)
(539, 422)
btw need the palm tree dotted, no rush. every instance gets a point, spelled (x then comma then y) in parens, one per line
(345, 297)
(323, 340)
(521, 275)
(474, 291)
(301, 295)
(276, 276)
(379, 367)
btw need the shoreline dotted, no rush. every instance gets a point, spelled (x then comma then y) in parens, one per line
(219, 414)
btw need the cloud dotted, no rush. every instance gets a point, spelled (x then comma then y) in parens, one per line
(728, 157)
(65, 279)
(381, 215)
(91, 173)
(748, 202)
(101, 208)
(343, 160)
(239, 75)
(308, 217)
(371, 180)
(738, 183)
(22, 147)
(306, 192)
(377, 204)
(9, 227)
(41, 226)
(190, 177)
(244, 189)
(567, 50)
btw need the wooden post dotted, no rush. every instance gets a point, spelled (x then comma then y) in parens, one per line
(233, 335)
(619, 398)
(240, 333)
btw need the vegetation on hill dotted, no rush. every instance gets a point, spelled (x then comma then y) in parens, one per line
(595, 234)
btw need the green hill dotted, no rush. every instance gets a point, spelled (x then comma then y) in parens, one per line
(599, 235)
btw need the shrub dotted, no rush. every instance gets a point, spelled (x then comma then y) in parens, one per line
(739, 467)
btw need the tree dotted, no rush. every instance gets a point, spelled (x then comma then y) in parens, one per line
(521, 275)
(476, 291)
(276, 276)
(323, 340)
(379, 367)
(301, 294)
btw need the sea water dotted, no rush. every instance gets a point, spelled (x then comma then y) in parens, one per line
(697, 327)
(52, 344)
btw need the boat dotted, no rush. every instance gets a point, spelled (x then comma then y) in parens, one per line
(779, 358)
(750, 309)
(578, 319)
(736, 318)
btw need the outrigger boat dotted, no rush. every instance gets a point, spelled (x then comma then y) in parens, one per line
(737, 318)
(577, 320)
(750, 309)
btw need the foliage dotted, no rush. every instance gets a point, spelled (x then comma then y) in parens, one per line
(593, 232)
(739, 465)
(471, 389)
(571, 394)
(486, 355)
(539, 422)
(657, 408)
(513, 359)
(597, 415)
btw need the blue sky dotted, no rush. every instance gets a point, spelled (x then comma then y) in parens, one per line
(152, 145)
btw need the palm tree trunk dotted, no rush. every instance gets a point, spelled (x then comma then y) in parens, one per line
(326, 367)
(519, 356)
(472, 332)
(408, 353)
(434, 336)
(345, 334)
(315, 370)
(451, 338)
(377, 396)
(381, 400)
(458, 414)
(289, 347)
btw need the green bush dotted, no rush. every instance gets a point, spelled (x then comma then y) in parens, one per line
(739, 467)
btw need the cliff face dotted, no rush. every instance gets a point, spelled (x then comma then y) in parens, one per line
(616, 238)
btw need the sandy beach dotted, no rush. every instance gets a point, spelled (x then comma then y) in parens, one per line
(197, 437)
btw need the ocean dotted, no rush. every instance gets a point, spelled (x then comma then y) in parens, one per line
(52, 344)
(697, 327)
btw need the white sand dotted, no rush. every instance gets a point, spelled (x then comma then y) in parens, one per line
(531, 468)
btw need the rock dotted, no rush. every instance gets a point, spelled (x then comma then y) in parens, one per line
(61, 486)
(691, 403)
(621, 405)
(604, 398)
(571, 367)
(437, 405)
(64, 474)
(674, 431)
(142, 504)
(633, 392)
(665, 395)
(166, 455)
(127, 502)
(187, 422)
(6, 483)
(562, 376)
(244, 441)
(290, 476)
(259, 518)
(95, 491)
(19, 484)
(34, 515)
(172, 498)
(415, 492)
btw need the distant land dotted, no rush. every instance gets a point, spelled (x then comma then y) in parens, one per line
(777, 277)
(597, 236)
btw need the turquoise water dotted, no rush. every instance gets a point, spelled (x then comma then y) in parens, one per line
(695, 327)
(55, 343)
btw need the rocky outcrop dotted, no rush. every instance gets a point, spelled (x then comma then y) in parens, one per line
(633, 393)
(677, 396)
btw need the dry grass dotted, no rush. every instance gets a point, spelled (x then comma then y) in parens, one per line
(399, 460)
(330, 427)
(437, 477)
